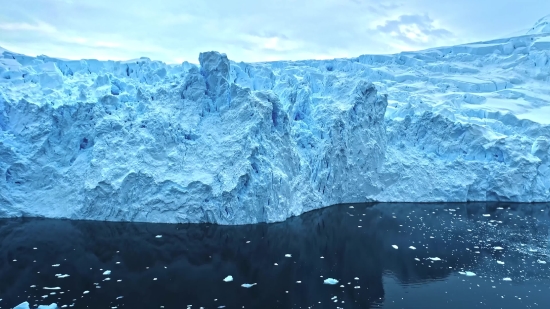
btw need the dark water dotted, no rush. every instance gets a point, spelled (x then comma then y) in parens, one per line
(186, 266)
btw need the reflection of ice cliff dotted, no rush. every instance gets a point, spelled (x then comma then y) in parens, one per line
(198, 257)
(239, 143)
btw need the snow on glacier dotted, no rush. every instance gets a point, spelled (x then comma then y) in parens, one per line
(236, 143)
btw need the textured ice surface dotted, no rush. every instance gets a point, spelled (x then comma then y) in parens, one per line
(236, 143)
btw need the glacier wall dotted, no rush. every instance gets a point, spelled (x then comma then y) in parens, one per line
(236, 143)
(143, 141)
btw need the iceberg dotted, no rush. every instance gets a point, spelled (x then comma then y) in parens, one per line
(239, 143)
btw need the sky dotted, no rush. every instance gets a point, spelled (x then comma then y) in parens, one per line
(254, 30)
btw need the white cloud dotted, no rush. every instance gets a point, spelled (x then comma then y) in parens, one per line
(249, 30)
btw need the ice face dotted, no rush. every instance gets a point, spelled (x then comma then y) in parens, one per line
(236, 143)
(145, 141)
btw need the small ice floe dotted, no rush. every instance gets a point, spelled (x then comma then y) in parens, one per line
(533, 250)
(330, 281)
(60, 276)
(322, 257)
(107, 272)
(56, 265)
(432, 237)
(117, 262)
(248, 241)
(119, 280)
(154, 279)
(500, 208)
(33, 286)
(356, 278)
(541, 262)
(395, 246)
(228, 279)
(356, 287)
(298, 281)
(288, 255)
(467, 273)
(120, 297)
(434, 259)
(276, 264)
(107, 279)
(498, 248)
(416, 259)
(85, 292)
(486, 215)
(500, 262)
(248, 285)
(507, 279)
(158, 236)
(412, 247)
(54, 288)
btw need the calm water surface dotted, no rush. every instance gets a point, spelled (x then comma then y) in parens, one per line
(383, 256)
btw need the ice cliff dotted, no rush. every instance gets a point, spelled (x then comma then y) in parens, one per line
(237, 143)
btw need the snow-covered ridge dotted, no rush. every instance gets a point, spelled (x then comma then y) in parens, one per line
(239, 143)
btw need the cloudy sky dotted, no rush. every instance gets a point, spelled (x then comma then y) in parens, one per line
(254, 30)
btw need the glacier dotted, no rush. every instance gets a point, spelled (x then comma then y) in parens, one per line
(236, 143)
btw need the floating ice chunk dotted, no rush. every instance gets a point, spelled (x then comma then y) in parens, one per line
(248, 241)
(434, 259)
(356, 278)
(500, 262)
(498, 248)
(541, 262)
(395, 246)
(356, 287)
(486, 215)
(54, 288)
(60, 276)
(228, 279)
(56, 265)
(248, 285)
(412, 247)
(85, 292)
(107, 272)
(351, 207)
(120, 297)
(330, 281)
(298, 281)
(288, 255)
(467, 273)
(276, 264)
(26, 305)
(416, 259)
(507, 279)
(158, 236)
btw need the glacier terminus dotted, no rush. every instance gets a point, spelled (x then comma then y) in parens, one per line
(238, 143)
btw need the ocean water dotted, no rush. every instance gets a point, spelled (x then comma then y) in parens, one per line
(476, 255)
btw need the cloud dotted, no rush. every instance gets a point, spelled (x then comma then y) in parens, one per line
(250, 30)
(417, 30)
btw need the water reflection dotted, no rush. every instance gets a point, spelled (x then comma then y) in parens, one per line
(187, 265)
